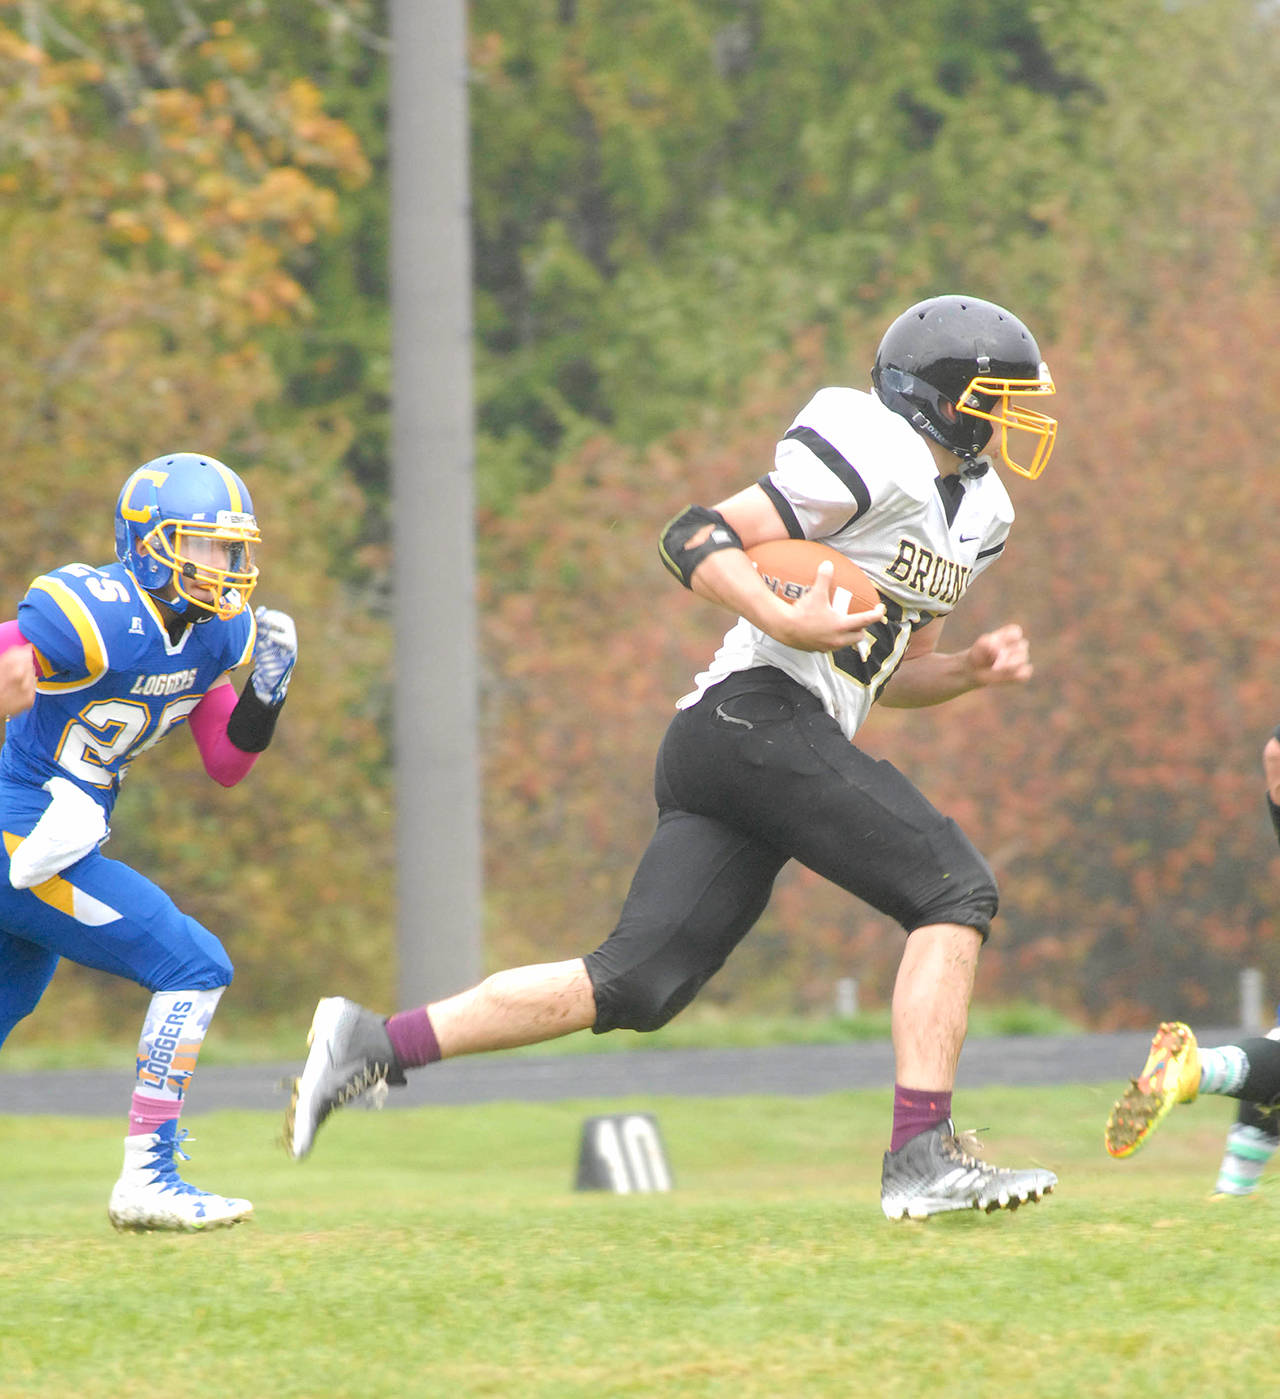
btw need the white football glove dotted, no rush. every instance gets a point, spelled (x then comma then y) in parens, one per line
(274, 653)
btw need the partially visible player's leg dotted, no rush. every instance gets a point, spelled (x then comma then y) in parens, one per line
(930, 1013)
(1178, 1070)
(698, 889)
(1170, 1076)
(700, 886)
(26, 969)
(523, 1005)
(1252, 1140)
(353, 1052)
(103, 914)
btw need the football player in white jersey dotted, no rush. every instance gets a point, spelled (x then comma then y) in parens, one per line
(758, 766)
(123, 655)
(1179, 1070)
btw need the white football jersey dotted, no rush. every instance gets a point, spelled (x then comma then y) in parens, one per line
(855, 475)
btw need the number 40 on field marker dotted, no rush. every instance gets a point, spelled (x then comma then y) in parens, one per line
(622, 1152)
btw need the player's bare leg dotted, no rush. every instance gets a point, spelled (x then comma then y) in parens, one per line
(931, 1004)
(929, 1170)
(353, 1051)
(525, 1005)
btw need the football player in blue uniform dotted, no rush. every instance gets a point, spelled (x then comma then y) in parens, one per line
(1179, 1070)
(760, 764)
(123, 655)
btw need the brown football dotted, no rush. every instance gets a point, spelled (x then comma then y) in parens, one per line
(789, 567)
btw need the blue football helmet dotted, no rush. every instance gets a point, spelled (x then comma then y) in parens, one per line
(185, 529)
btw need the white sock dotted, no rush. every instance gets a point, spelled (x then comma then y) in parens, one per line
(171, 1038)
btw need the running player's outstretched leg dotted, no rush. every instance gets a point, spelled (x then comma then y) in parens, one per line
(355, 1053)
(1170, 1075)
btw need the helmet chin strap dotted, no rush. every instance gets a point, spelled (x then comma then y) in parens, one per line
(181, 609)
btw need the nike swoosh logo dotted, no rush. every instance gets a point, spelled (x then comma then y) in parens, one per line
(969, 538)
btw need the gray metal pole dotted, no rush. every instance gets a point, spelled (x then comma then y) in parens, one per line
(436, 747)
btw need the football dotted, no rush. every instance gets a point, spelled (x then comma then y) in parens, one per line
(789, 567)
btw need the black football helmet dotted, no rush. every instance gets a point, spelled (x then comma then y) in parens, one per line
(949, 366)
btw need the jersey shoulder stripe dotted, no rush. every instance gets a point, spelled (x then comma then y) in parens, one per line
(836, 463)
(77, 650)
(783, 506)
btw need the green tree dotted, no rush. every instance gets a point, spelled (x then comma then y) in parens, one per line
(168, 182)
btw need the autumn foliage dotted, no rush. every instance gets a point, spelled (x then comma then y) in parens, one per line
(687, 215)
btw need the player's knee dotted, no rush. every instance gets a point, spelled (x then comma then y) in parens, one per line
(201, 965)
(641, 1002)
(966, 892)
(641, 1009)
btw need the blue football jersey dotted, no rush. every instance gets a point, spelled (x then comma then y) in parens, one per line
(111, 682)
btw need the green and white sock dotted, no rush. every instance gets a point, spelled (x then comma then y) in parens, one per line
(1248, 1151)
(1223, 1070)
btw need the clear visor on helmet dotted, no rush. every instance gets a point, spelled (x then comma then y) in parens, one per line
(212, 564)
(988, 397)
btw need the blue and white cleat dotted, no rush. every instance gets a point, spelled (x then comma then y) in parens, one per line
(150, 1193)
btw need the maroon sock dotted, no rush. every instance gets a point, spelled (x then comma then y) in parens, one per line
(413, 1038)
(915, 1110)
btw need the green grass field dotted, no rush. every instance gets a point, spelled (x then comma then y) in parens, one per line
(443, 1252)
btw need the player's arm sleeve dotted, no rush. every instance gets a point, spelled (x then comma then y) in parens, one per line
(992, 548)
(210, 720)
(816, 485)
(69, 648)
(11, 635)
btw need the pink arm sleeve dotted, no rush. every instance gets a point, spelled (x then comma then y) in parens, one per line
(223, 761)
(11, 635)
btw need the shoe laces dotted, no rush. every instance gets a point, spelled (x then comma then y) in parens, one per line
(167, 1152)
(968, 1146)
(165, 1156)
(368, 1082)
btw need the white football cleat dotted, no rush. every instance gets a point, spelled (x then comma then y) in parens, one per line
(350, 1058)
(150, 1193)
(934, 1173)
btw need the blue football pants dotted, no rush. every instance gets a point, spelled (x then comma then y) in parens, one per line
(99, 913)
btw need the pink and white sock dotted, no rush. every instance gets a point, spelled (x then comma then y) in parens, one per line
(171, 1038)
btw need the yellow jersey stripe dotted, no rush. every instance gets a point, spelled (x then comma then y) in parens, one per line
(95, 649)
(62, 895)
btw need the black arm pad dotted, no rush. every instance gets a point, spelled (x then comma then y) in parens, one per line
(252, 723)
(677, 555)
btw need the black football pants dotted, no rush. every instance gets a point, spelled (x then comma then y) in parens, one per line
(753, 775)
